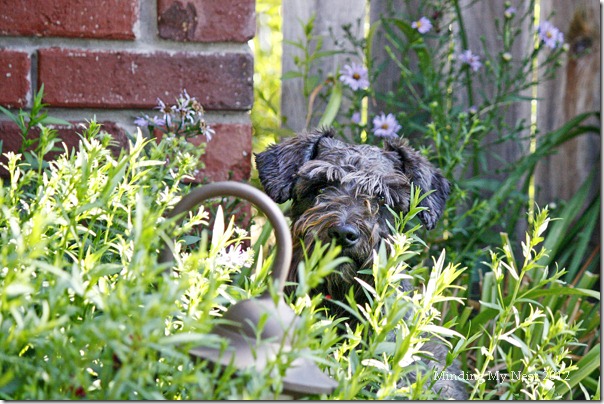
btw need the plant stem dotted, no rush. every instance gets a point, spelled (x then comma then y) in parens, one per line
(464, 43)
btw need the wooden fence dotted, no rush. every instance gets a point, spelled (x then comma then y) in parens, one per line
(575, 88)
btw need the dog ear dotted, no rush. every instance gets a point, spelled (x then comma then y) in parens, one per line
(279, 164)
(424, 175)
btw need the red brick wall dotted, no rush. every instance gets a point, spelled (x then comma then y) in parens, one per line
(113, 58)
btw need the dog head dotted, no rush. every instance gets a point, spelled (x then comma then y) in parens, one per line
(342, 192)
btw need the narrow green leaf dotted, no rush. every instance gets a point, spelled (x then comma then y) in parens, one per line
(218, 229)
(49, 120)
(587, 364)
(333, 106)
(555, 237)
(562, 291)
(9, 114)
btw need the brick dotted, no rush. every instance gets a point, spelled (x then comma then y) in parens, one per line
(10, 136)
(228, 155)
(105, 79)
(106, 19)
(14, 78)
(206, 20)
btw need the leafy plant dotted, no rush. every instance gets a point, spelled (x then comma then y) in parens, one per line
(537, 340)
(86, 310)
(36, 118)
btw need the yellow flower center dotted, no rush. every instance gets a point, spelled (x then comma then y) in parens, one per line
(356, 76)
(384, 125)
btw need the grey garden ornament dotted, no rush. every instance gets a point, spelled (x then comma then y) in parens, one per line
(242, 319)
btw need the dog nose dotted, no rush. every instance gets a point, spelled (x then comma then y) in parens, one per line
(345, 235)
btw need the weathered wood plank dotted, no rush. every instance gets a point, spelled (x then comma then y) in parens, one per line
(574, 90)
(479, 23)
(388, 77)
(330, 14)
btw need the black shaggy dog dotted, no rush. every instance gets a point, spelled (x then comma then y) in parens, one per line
(342, 191)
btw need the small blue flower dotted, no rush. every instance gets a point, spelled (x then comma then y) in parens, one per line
(356, 117)
(386, 126)
(142, 121)
(509, 12)
(422, 25)
(467, 57)
(354, 76)
(157, 121)
(550, 35)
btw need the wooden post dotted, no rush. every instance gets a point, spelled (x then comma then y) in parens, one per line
(330, 14)
(575, 89)
(389, 76)
(479, 23)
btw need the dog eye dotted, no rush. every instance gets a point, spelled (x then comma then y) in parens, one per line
(322, 186)
(381, 199)
(322, 189)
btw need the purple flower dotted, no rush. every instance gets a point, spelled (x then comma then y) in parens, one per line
(385, 126)
(467, 57)
(206, 130)
(509, 12)
(422, 25)
(157, 121)
(183, 108)
(550, 35)
(184, 98)
(354, 76)
(142, 121)
(356, 117)
(166, 110)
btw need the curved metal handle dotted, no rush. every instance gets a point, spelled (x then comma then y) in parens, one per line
(262, 201)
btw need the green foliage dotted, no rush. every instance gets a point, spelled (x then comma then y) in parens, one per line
(86, 311)
(78, 266)
(28, 120)
(532, 338)
(266, 113)
(36, 118)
